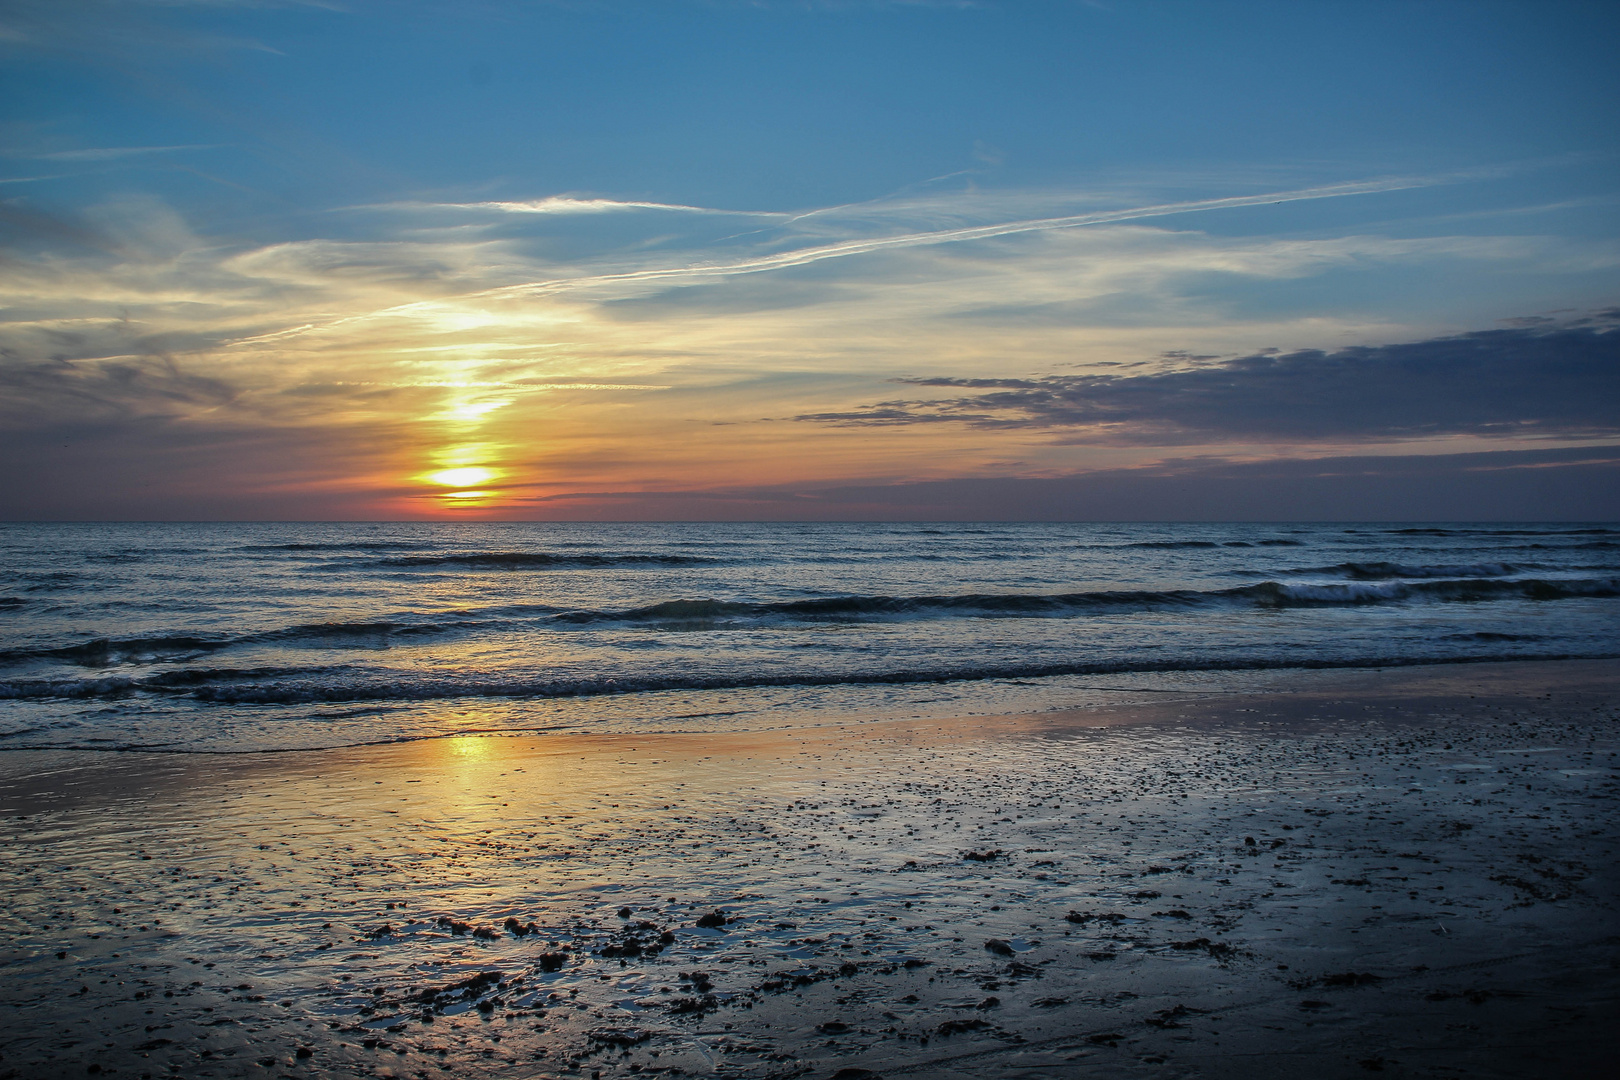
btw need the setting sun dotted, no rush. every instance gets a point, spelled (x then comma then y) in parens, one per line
(463, 477)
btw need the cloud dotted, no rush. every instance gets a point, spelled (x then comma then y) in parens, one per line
(696, 273)
(115, 389)
(565, 204)
(1522, 381)
(21, 223)
(463, 384)
(1561, 484)
(111, 153)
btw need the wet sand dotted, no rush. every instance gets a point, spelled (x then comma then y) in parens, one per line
(1408, 872)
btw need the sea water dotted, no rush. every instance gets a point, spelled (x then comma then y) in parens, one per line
(233, 637)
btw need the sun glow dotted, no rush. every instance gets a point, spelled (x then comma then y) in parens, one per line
(468, 463)
(471, 412)
(465, 476)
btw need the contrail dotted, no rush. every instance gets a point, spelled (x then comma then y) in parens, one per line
(843, 249)
(108, 153)
(562, 204)
(951, 236)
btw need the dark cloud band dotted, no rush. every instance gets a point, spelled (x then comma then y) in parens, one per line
(1529, 381)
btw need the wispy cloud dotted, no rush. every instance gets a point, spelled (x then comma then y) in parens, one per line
(565, 204)
(691, 272)
(109, 153)
(466, 384)
(805, 256)
(120, 388)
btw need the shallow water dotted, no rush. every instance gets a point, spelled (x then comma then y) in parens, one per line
(232, 637)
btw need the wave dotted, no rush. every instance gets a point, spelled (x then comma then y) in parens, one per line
(1590, 545)
(191, 677)
(42, 581)
(1213, 543)
(1384, 571)
(314, 691)
(113, 652)
(352, 545)
(1267, 594)
(1450, 590)
(540, 560)
(1266, 543)
(326, 633)
(1172, 544)
(1434, 531)
(508, 560)
(709, 614)
(110, 652)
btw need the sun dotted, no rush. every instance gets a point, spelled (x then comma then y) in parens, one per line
(465, 477)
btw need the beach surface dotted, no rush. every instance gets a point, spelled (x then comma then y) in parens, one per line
(1409, 872)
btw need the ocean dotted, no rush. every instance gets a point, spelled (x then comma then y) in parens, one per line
(233, 637)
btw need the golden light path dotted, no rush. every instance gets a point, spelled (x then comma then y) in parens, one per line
(465, 464)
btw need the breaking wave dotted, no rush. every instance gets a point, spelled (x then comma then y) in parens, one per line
(112, 652)
(217, 687)
(1376, 586)
(1436, 531)
(351, 545)
(1267, 594)
(1385, 571)
(1213, 543)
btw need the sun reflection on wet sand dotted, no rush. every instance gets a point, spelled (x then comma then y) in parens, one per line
(467, 746)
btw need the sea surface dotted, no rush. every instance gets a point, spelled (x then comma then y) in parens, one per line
(246, 637)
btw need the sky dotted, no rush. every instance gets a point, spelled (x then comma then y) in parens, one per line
(809, 260)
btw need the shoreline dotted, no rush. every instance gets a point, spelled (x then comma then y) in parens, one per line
(1112, 866)
(172, 722)
(1284, 691)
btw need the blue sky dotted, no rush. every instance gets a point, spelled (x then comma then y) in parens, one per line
(535, 259)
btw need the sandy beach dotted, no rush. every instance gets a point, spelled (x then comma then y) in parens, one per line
(1409, 872)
